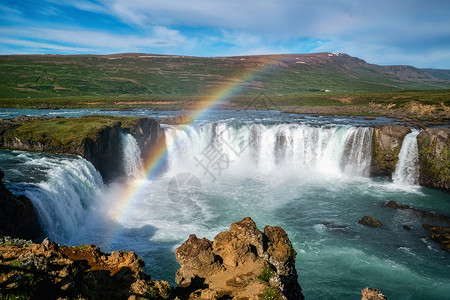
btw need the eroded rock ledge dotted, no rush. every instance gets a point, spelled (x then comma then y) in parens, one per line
(242, 263)
(50, 271)
(95, 138)
(434, 153)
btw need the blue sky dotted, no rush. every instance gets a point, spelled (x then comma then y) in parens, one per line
(413, 32)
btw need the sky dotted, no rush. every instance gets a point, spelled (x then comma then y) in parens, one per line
(386, 32)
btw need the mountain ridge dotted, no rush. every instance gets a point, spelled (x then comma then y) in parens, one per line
(140, 74)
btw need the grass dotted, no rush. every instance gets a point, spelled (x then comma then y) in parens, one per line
(75, 81)
(80, 247)
(399, 98)
(271, 294)
(65, 132)
(16, 263)
(265, 274)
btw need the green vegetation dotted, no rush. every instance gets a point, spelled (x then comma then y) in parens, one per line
(271, 294)
(168, 82)
(265, 274)
(13, 297)
(63, 132)
(16, 263)
(80, 247)
(153, 293)
(10, 241)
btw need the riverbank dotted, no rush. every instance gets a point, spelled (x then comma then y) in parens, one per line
(243, 262)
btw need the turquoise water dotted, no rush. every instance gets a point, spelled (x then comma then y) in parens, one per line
(318, 206)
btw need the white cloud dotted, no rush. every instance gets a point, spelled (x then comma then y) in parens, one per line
(378, 31)
(34, 46)
(92, 41)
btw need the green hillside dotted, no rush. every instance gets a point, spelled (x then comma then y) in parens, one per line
(45, 76)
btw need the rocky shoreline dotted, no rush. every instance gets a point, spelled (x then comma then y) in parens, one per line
(242, 263)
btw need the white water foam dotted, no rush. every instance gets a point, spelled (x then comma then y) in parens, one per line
(63, 198)
(270, 148)
(131, 155)
(407, 169)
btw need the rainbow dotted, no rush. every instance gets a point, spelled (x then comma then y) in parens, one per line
(155, 162)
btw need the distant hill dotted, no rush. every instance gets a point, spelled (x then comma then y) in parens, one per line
(438, 73)
(43, 76)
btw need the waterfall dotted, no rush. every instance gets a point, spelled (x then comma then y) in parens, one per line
(268, 148)
(407, 169)
(131, 155)
(64, 196)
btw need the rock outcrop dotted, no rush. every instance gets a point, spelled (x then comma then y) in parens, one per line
(440, 235)
(370, 221)
(95, 138)
(177, 120)
(386, 144)
(372, 294)
(17, 215)
(49, 271)
(434, 158)
(243, 262)
(105, 152)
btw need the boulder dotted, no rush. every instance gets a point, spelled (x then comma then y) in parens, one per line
(440, 235)
(242, 262)
(395, 205)
(370, 221)
(434, 158)
(372, 294)
(387, 141)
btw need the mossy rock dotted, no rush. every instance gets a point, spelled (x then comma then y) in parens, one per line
(370, 221)
(387, 142)
(434, 158)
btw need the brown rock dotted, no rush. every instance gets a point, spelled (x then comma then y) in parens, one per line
(242, 262)
(440, 235)
(434, 158)
(178, 120)
(75, 273)
(372, 294)
(370, 221)
(386, 144)
(394, 204)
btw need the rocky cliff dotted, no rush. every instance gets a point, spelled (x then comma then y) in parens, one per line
(386, 144)
(96, 138)
(17, 215)
(50, 271)
(434, 157)
(242, 263)
(434, 153)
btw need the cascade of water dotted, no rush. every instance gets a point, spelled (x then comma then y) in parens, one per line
(62, 200)
(131, 155)
(358, 151)
(269, 147)
(407, 169)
